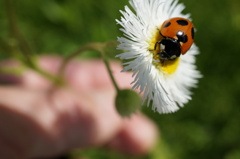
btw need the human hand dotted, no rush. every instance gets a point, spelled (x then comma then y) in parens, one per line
(37, 121)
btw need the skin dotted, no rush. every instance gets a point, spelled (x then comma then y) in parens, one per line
(37, 121)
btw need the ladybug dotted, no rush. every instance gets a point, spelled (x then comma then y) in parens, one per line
(178, 36)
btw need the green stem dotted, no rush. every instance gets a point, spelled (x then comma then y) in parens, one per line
(55, 79)
(98, 47)
(105, 60)
(3, 46)
(87, 47)
(11, 71)
(15, 33)
(20, 46)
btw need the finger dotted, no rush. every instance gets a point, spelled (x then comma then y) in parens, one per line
(137, 137)
(20, 133)
(40, 124)
(83, 74)
(93, 74)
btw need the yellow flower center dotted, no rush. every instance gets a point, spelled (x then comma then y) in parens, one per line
(167, 66)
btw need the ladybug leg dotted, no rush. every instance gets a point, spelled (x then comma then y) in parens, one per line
(155, 46)
(157, 43)
(164, 56)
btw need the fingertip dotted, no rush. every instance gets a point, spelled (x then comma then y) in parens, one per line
(137, 137)
(93, 74)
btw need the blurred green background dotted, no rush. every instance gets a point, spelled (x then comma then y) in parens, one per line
(208, 126)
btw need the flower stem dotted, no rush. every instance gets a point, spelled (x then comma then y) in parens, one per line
(15, 33)
(67, 59)
(54, 79)
(20, 47)
(105, 60)
(11, 71)
(98, 47)
(3, 46)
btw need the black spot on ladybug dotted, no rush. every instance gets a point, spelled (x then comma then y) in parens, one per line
(183, 38)
(192, 33)
(182, 22)
(167, 24)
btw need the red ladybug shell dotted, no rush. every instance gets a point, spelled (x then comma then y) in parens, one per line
(180, 29)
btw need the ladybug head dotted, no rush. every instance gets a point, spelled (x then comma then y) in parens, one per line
(170, 49)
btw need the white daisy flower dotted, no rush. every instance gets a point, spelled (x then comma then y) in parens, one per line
(165, 85)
